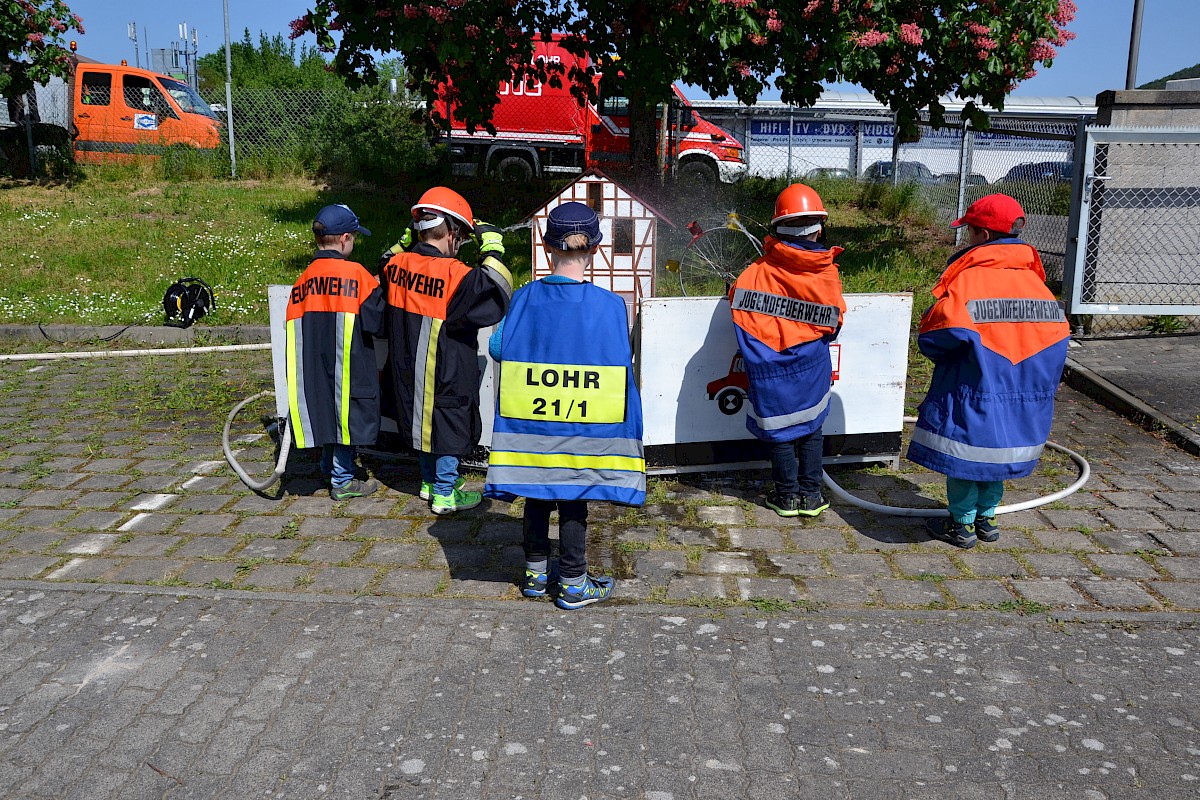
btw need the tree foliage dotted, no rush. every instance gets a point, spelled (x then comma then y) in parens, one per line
(907, 53)
(32, 37)
(274, 63)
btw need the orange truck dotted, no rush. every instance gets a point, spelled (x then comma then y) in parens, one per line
(117, 112)
(541, 131)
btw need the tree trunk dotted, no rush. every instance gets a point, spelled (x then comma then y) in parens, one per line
(643, 157)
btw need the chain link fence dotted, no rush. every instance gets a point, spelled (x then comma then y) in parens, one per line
(1139, 248)
(1030, 159)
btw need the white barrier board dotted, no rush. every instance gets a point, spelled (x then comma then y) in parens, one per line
(690, 376)
(693, 385)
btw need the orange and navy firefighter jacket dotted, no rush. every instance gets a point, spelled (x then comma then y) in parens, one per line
(787, 308)
(998, 341)
(436, 307)
(333, 312)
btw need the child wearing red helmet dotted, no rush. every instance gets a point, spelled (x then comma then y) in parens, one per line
(787, 309)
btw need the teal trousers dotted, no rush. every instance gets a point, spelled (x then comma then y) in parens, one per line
(971, 499)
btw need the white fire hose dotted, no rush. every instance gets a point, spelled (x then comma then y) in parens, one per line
(1085, 472)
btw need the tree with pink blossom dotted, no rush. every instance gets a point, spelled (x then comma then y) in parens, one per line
(907, 53)
(32, 37)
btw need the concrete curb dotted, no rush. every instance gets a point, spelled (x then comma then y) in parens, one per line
(1110, 395)
(1182, 618)
(134, 334)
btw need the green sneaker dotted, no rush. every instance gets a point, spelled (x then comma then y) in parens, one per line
(455, 501)
(354, 488)
(427, 488)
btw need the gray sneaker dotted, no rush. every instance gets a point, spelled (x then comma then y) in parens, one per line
(354, 488)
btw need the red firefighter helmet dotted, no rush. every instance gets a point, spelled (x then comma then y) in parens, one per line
(798, 200)
(444, 203)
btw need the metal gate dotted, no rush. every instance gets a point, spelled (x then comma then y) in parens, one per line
(1136, 218)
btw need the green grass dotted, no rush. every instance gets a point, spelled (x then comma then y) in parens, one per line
(103, 250)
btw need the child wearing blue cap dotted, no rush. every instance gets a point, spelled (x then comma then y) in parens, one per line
(568, 425)
(334, 310)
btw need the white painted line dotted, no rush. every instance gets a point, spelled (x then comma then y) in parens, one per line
(153, 502)
(190, 482)
(205, 467)
(38, 369)
(128, 526)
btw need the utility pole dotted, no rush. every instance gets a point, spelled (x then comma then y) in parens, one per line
(1135, 41)
(189, 56)
(229, 96)
(137, 58)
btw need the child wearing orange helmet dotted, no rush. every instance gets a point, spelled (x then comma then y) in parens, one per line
(787, 309)
(437, 306)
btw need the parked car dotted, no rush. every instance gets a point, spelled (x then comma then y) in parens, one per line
(1041, 171)
(910, 172)
(828, 173)
(973, 179)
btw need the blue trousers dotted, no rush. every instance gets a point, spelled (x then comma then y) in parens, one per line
(971, 499)
(337, 461)
(441, 471)
(796, 465)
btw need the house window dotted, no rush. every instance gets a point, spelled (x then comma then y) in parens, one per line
(622, 237)
(595, 196)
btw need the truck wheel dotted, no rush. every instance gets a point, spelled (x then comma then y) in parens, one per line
(729, 401)
(698, 175)
(514, 169)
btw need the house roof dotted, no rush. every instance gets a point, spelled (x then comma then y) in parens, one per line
(596, 173)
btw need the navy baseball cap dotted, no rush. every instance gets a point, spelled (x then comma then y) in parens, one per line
(568, 218)
(337, 219)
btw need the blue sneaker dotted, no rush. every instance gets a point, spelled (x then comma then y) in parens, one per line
(535, 584)
(592, 590)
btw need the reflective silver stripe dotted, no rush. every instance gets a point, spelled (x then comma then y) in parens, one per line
(778, 305)
(795, 418)
(340, 326)
(419, 381)
(498, 273)
(1015, 309)
(301, 399)
(544, 476)
(982, 455)
(576, 445)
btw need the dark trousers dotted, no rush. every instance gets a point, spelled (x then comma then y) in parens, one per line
(572, 534)
(796, 465)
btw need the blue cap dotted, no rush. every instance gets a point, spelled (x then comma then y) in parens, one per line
(569, 218)
(337, 219)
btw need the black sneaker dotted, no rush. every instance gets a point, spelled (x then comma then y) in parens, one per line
(785, 505)
(986, 529)
(947, 530)
(354, 488)
(811, 506)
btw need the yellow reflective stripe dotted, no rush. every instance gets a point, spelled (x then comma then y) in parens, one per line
(506, 458)
(347, 339)
(293, 398)
(427, 401)
(493, 263)
(562, 392)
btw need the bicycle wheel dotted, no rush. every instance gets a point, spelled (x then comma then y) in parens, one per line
(714, 259)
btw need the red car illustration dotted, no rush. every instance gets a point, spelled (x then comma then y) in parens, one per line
(730, 391)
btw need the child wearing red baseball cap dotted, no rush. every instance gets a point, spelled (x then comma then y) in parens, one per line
(998, 341)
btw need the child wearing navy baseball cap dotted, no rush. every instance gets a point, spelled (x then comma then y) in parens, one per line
(568, 425)
(334, 311)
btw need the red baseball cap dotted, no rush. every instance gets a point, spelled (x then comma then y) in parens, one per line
(996, 212)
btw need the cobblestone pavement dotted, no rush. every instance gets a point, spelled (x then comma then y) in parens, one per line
(146, 695)
(111, 472)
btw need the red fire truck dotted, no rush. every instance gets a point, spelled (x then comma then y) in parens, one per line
(542, 131)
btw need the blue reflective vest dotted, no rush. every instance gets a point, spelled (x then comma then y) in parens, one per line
(568, 422)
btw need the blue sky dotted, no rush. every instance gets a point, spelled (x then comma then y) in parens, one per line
(1095, 61)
